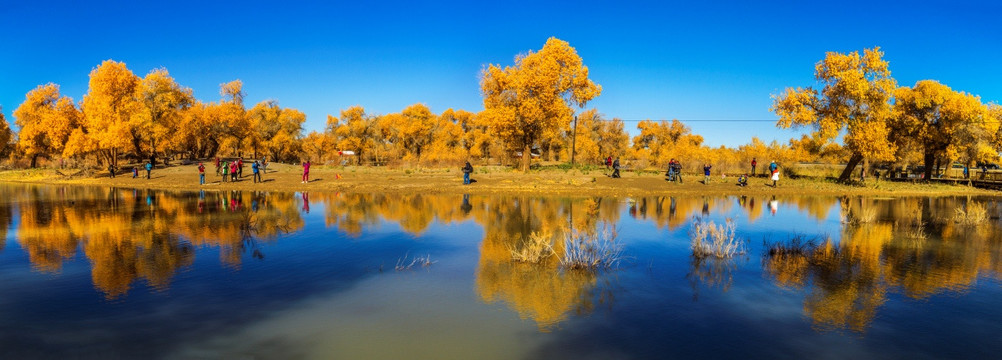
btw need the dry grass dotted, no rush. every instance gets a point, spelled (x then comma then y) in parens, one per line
(798, 245)
(592, 251)
(972, 214)
(533, 250)
(712, 240)
(865, 216)
(403, 265)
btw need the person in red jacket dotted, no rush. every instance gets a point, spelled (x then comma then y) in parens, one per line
(201, 174)
(306, 171)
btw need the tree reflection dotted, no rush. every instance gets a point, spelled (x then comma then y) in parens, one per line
(128, 235)
(848, 280)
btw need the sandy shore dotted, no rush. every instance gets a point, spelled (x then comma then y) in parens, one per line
(489, 180)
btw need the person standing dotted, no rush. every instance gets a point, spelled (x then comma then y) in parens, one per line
(225, 170)
(255, 170)
(201, 174)
(149, 167)
(773, 167)
(111, 170)
(678, 171)
(234, 166)
(754, 163)
(615, 169)
(217, 165)
(467, 170)
(706, 174)
(240, 168)
(306, 171)
(775, 177)
(608, 162)
(135, 172)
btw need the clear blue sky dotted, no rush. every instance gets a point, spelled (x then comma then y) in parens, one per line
(660, 60)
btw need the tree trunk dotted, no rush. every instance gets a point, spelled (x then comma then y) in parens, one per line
(847, 172)
(526, 157)
(929, 159)
(34, 161)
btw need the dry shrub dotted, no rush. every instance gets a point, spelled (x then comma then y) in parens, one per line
(712, 240)
(973, 213)
(592, 251)
(532, 250)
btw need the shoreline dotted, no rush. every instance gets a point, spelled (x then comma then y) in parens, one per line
(489, 181)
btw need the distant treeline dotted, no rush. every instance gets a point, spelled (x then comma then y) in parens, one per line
(857, 112)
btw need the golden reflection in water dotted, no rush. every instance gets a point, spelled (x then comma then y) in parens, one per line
(129, 235)
(911, 246)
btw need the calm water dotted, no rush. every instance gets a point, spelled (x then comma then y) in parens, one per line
(111, 273)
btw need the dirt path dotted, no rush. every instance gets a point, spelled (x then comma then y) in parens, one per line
(494, 180)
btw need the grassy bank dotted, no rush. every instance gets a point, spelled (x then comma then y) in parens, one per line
(489, 180)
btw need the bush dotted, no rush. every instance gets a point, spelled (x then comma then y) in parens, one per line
(533, 250)
(712, 240)
(592, 251)
(975, 213)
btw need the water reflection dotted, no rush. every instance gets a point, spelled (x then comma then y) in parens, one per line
(130, 235)
(912, 246)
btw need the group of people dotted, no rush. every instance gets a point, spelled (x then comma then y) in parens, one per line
(234, 170)
(614, 165)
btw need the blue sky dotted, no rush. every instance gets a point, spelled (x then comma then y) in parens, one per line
(657, 60)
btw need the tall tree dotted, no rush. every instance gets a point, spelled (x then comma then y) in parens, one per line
(230, 117)
(107, 107)
(855, 96)
(161, 105)
(524, 101)
(46, 121)
(354, 131)
(5, 134)
(938, 119)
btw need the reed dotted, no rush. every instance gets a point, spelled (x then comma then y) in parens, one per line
(712, 240)
(972, 214)
(592, 251)
(536, 248)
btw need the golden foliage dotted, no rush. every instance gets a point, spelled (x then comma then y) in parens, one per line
(855, 96)
(525, 102)
(45, 119)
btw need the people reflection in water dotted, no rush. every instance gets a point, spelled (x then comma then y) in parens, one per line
(706, 207)
(306, 202)
(773, 205)
(201, 201)
(466, 207)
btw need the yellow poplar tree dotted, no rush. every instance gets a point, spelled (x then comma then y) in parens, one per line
(107, 107)
(941, 121)
(231, 117)
(5, 134)
(612, 138)
(855, 96)
(162, 102)
(354, 131)
(525, 101)
(45, 120)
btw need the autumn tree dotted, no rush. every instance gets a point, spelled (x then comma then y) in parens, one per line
(316, 145)
(855, 97)
(597, 137)
(662, 141)
(45, 119)
(107, 108)
(230, 117)
(448, 135)
(161, 105)
(5, 134)
(411, 129)
(939, 119)
(353, 131)
(525, 101)
(612, 138)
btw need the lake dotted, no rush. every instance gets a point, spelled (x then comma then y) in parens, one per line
(91, 272)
